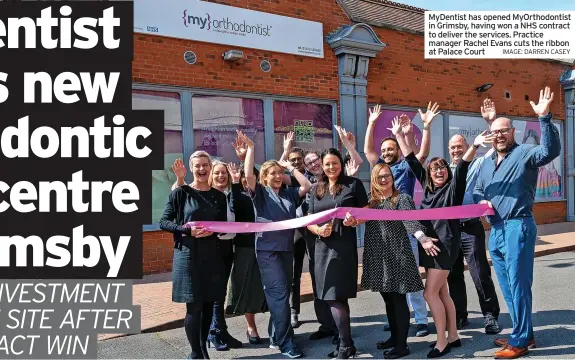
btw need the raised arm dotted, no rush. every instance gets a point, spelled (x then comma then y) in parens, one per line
(249, 163)
(180, 170)
(426, 118)
(304, 183)
(369, 147)
(348, 141)
(480, 140)
(287, 144)
(396, 130)
(550, 146)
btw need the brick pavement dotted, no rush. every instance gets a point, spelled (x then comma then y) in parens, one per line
(154, 292)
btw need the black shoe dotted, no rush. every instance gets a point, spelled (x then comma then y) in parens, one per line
(345, 352)
(396, 353)
(320, 335)
(215, 339)
(232, 342)
(254, 340)
(491, 325)
(435, 353)
(383, 345)
(461, 323)
(422, 330)
(294, 353)
(456, 343)
(386, 327)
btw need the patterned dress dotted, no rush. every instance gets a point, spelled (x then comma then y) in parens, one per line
(388, 261)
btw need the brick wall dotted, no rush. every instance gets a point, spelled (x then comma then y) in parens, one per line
(399, 75)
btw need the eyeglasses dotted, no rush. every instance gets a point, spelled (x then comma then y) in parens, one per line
(312, 162)
(384, 176)
(437, 169)
(501, 131)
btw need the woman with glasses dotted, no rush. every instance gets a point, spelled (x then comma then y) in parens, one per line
(441, 189)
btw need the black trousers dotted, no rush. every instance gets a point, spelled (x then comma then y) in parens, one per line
(321, 307)
(299, 251)
(398, 316)
(473, 249)
(218, 318)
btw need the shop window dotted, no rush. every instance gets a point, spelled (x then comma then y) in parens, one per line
(312, 125)
(162, 180)
(216, 119)
(550, 179)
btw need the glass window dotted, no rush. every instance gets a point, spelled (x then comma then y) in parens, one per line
(162, 180)
(312, 125)
(382, 131)
(216, 119)
(549, 182)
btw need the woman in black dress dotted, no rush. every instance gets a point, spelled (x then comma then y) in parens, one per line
(198, 275)
(389, 265)
(441, 189)
(335, 254)
(246, 295)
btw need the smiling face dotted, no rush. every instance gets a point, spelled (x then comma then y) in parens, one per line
(273, 176)
(220, 176)
(385, 179)
(439, 172)
(389, 152)
(313, 164)
(201, 167)
(296, 160)
(505, 134)
(457, 148)
(331, 166)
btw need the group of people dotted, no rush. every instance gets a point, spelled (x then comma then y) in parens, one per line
(264, 269)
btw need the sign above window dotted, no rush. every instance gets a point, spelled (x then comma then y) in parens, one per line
(228, 25)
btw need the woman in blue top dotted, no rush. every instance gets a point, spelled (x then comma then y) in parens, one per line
(274, 250)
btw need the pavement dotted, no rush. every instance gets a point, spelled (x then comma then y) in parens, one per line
(553, 321)
(154, 292)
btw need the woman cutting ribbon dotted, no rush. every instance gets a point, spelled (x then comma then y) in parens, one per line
(336, 248)
(274, 250)
(441, 189)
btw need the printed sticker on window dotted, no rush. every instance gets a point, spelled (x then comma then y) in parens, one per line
(303, 131)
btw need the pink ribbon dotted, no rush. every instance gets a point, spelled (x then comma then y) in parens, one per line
(446, 213)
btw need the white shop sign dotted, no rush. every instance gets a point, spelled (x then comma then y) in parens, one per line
(221, 24)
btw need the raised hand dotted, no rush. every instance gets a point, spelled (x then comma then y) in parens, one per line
(373, 115)
(429, 114)
(241, 148)
(288, 141)
(247, 141)
(483, 139)
(488, 110)
(234, 172)
(545, 99)
(351, 168)
(179, 169)
(344, 136)
(406, 124)
(395, 126)
(286, 165)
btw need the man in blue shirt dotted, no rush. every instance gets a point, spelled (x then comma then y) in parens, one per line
(507, 181)
(405, 183)
(473, 242)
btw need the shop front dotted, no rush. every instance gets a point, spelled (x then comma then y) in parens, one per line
(270, 68)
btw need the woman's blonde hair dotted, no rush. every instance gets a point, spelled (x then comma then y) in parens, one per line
(265, 168)
(211, 177)
(377, 190)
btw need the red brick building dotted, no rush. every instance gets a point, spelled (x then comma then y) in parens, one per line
(372, 53)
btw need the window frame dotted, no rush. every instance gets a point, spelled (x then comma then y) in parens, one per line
(186, 95)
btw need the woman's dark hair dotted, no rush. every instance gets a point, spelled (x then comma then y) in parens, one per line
(323, 181)
(434, 162)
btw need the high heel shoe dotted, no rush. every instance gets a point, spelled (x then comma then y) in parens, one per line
(254, 340)
(345, 352)
(216, 340)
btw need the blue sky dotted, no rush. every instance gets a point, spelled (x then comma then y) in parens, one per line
(485, 5)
